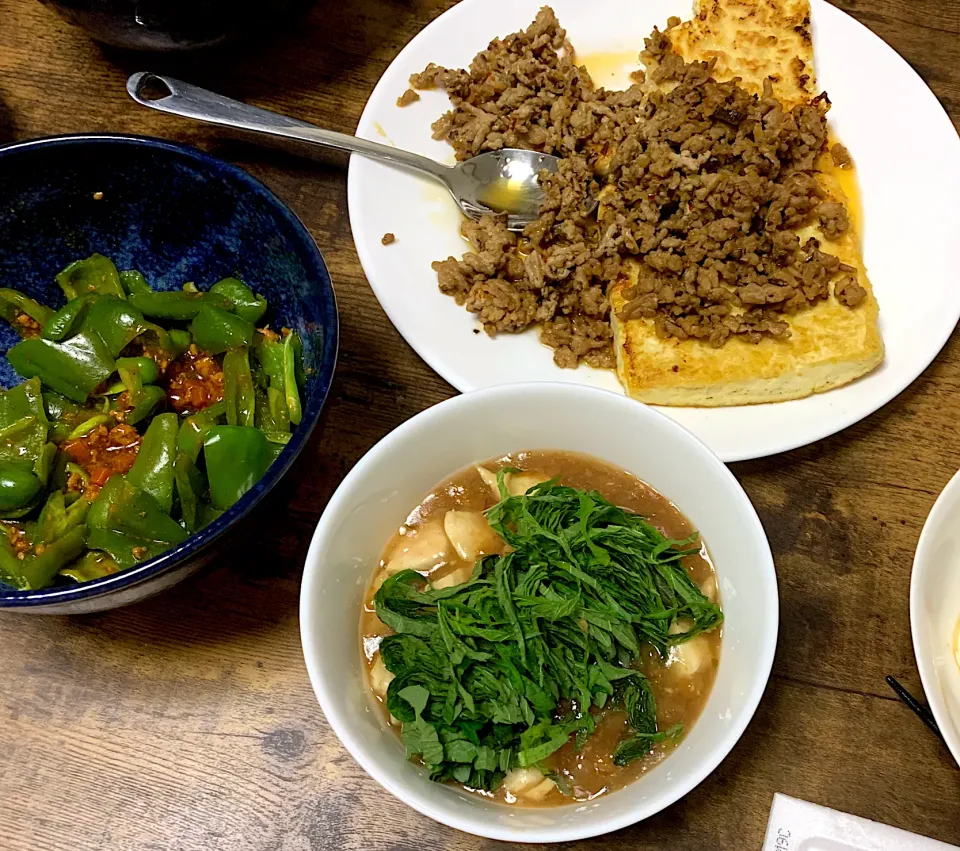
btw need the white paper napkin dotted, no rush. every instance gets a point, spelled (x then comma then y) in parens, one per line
(800, 826)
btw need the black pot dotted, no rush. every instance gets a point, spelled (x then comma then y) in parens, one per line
(174, 25)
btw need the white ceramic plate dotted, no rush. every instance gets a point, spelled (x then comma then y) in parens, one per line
(378, 493)
(908, 159)
(935, 611)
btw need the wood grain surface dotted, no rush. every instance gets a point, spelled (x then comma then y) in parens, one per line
(187, 722)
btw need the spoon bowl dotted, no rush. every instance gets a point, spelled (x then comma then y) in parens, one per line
(496, 182)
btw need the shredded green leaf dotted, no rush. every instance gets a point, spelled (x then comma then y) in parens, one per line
(501, 671)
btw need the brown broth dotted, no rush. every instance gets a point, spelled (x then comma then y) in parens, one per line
(680, 696)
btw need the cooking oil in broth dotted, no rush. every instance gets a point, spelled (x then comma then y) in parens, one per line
(445, 535)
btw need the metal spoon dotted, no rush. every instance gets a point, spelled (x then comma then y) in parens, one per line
(502, 181)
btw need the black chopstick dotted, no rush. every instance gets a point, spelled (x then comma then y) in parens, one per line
(916, 707)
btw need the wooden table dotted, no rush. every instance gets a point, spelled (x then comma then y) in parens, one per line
(187, 722)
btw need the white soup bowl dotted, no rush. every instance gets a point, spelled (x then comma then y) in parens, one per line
(935, 610)
(394, 476)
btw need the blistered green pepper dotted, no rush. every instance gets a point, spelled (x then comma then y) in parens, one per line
(152, 471)
(135, 372)
(74, 367)
(96, 274)
(236, 458)
(57, 405)
(129, 524)
(118, 322)
(174, 305)
(194, 429)
(133, 282)
(14, 304)
(67, 318)
(43, 466)
(208, 514)
(292, 354)
(64, 415)
(19, 486)
(273, 415)
(148, 400)
(244, 302)
(23, 424)
(215, 330)
(58, 519)
(37, 568)
(190, 484)
(57, 539)
(180, 341)
(93, 564)
(238, 390)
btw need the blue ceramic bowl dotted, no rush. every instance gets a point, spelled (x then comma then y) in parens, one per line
(176, 215)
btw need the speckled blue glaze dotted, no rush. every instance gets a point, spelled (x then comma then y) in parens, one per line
(176, 215)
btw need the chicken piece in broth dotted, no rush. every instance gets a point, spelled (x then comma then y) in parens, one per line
(517, 484)
(471, 535)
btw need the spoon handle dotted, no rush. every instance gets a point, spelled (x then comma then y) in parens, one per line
(193, 102)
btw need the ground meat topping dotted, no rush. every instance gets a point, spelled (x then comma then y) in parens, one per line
(17, 538)
(27, 326)
(700, 182)
(103, 452)
(408, 97)
(849, 292)
(195, 381)
(388, 239)
(841, 156)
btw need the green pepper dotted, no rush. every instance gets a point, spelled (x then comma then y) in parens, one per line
(244, 302)
(174, 305)
(118, 322)
(57, 519)
(38, 568)
(273, 414)
(190, 287)
(65, 419)
(194, 429)
(145, 368)
(129, 524)
(133, 282)
(93, 564)
(96, 274)
(208, 514)
(44, 464)
(74, 367)
(190, 484)
(180, 341)
(57, 406)
(292, 355)
(152, 471)
(238, 388)
(57, 539)
(215, 330)
(236, 458)
(19, 486)
(146, 403)
(23, 424)
(62, 323)
(135, 372)
(89, 425)
(274, 447)
(270, 355)
(14, 304)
